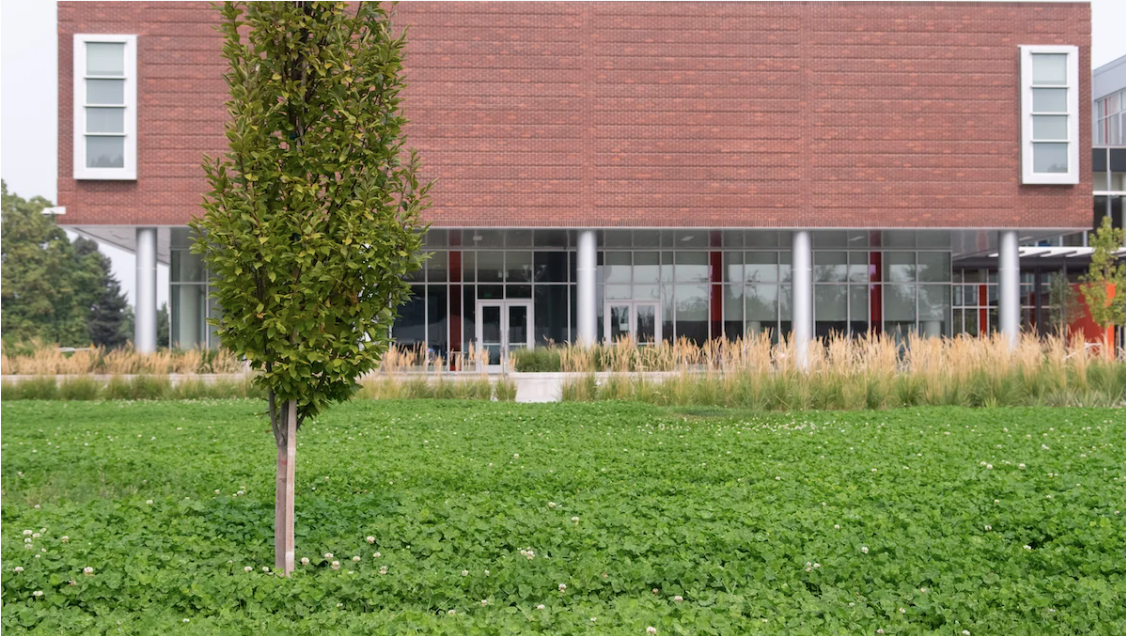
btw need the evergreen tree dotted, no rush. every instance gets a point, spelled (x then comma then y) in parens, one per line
(163, 327)
(111, 322)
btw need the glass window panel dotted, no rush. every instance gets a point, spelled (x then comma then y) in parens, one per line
(899, 238)
(933, 238)
(646, 267)
(667, 313)
(1049, 157)
(436, 238)
(646, 238)
(484, 238)
(617, 238)
(518, 266)
(785, 266)
(616, 267)
(830, 267)
(760, 267)
(899, 267)
(641, 292)
(1049, 68)
(619, 322)
(518, 238)
(187, 317)
(437, 267)
(105, 152)
(934, 267)
(858, 303)
(1049, 100)
(551, 267)
(1049, 127)
(830, 302)
(186, 267)
(691, 238)
(899, 303)
(550, 238)
(857, 238)
(733, 238)
(692, 267)
(761, 304)
(858, 267)
(437, 320)
(517, 291)
(468, 266)
(619, 292)
(732, 267)
(666, 267)
(692, 309)
(733, 302)
(830, 238)
(490, 267)
(410, 324)
(105, 58)
(761, 238)
(550, 314)
(109, 92)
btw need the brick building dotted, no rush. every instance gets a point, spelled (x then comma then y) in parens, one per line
(662, 170)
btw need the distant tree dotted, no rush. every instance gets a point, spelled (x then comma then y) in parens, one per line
(163, 326)
(312, 220)
(1106, 270)
(1064, 300)
(111, 317)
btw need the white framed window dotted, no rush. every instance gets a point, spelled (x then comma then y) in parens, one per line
(1049, 105)
(105, 106)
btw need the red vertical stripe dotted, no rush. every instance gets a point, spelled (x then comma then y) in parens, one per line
(983, 313)
(875, 290)
(717, 294)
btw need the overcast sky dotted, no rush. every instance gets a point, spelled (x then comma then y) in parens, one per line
(29, 104)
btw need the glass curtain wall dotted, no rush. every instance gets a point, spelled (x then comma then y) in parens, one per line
(189, 295)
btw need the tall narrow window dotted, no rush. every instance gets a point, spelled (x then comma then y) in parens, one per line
(1049, 77)
(105, 106)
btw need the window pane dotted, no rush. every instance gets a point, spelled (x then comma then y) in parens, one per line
(934, 267)
(761, 303)
(519, 266)
(1049, 68)
(1049, 157)
(830, 303)
(646, 267)
(1049, 127)
(105, 58)
(616, 267)
(830, 267)
(692, 267)
(899, 267)
(105, 152)
(105, 120)
(761, 267)
(490, 267)
(551, 267)
(1049, 100)
(105, 92)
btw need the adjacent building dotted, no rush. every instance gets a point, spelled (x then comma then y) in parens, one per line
(659, 170)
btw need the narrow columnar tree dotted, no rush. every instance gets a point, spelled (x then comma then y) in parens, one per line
(312, 220)
(1107, 272)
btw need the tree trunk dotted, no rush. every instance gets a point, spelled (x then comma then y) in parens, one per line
(283, 491)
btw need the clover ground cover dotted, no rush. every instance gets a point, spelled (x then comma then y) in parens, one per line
(601, 518)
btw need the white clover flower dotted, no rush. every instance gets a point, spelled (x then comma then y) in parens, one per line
(816, 565)
(516, 456)
(484, 602)
(486, 572)
(988, 528)
(875, 470)
(678, 598)
(575, 519)
(336, 565)
(650, 630)
(562, 587)
(187, 620)
(836, 526)
(982, 464)
(27, 540)
(248, 569)
(17, 569)
(328, 555)
(383, 570)
(64, 539)
(37, 593)
(216, 491)
(541, 606)
(28, 546)
(27, 533)
(593, 618)
(923, 590)
(777, 479)
(902, 611)
(305, 561)
(880, 630)
(965, 632)
(864, 549)
(656, 591)
(465, 572)
(370, 539)
(1027, 547)
(35, 535)
(88, 571)
(266, 569)
(551, 504)
(989, 467)
(376, 555)
(149, 502)
(451, 612)
(356, 558)
(1021, 466)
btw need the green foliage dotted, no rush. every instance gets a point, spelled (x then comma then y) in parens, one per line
(312, 220)
(52, 289)
(745, 515)
(1106, 270)
(163, 326)
(1064, 300)
(537, 360)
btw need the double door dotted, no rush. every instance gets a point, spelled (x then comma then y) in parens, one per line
(503, 326)
(639, 320)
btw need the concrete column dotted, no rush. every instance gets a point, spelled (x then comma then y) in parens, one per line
(587, 289)
(802, 304)
(1008, 279)
(144, 309)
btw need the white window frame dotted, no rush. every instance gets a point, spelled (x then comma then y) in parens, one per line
(1070, 177)
(129, 171)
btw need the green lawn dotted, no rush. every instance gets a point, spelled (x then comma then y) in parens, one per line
(914, 521)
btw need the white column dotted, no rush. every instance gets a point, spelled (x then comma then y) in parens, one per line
(802, 304)
(144, 309)
(586, 270)
(1008, 279)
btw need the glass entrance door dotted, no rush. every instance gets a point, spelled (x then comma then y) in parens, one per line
(639, 320)
(503, 326)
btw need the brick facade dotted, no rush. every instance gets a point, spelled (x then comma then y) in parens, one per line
(786, 114)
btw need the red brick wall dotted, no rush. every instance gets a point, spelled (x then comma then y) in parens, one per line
(649, 114)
